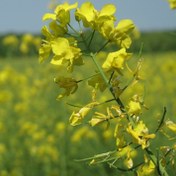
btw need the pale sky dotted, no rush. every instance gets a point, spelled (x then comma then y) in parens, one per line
(25, 15)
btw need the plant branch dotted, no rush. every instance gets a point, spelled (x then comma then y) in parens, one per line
(162, 120)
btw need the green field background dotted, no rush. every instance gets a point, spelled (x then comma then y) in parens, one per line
(35, 135)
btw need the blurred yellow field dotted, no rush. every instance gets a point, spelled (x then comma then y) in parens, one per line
(35, 137)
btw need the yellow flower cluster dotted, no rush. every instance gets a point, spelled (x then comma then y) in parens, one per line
(66, 48)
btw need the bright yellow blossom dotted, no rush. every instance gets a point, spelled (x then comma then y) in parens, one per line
(116, 60)
(118, 34)
(128, 153)
(93, 18)
(100, 117)
(140, 134)
(134, 108)
(56, 29)
(61, 13)
(77, 118)
(146, 169)
(45, 49)
(64, 52)
(86, 13)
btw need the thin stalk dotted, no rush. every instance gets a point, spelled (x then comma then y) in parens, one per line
(140, 51)
(103, 46)
(119, 102)
(100, 70)
(91, 38)
(161, 170)
(80, 34)
(73, 29)
(79, 106)
(162, 120)
(87, 78)
(112, 74)
(84, 41)
(71, 35)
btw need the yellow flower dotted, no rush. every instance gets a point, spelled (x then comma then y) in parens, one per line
(64, 52)
(140, 134)
(118, 34)
(86, 13)
(61, 13)
(128, 152)
(134, 108)
(77, 118)
(146, 169)
(99, 117)
(44, 52)
(57, 30)
(45, 49)
(69, 84)
(45, 31)
(119, 135)
(116, 60)
(172, 4)
(93, 18)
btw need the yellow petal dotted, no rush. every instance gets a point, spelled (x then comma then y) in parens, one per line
(75, 119)
(49, 16)
(134, 108)
(125, 26)
(86, 13)
(171, 125)
(108, 9)
(95, 121)
(60, 46)
(115, 60)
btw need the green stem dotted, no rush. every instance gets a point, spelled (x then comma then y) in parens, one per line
(93, 56)
(112, 74)
(73, 29)
(160, 169)
(80, 34)
(119, 102)
(103, 46)
(91, 38)
(87, 77)
(162, 120)
(140, 51)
